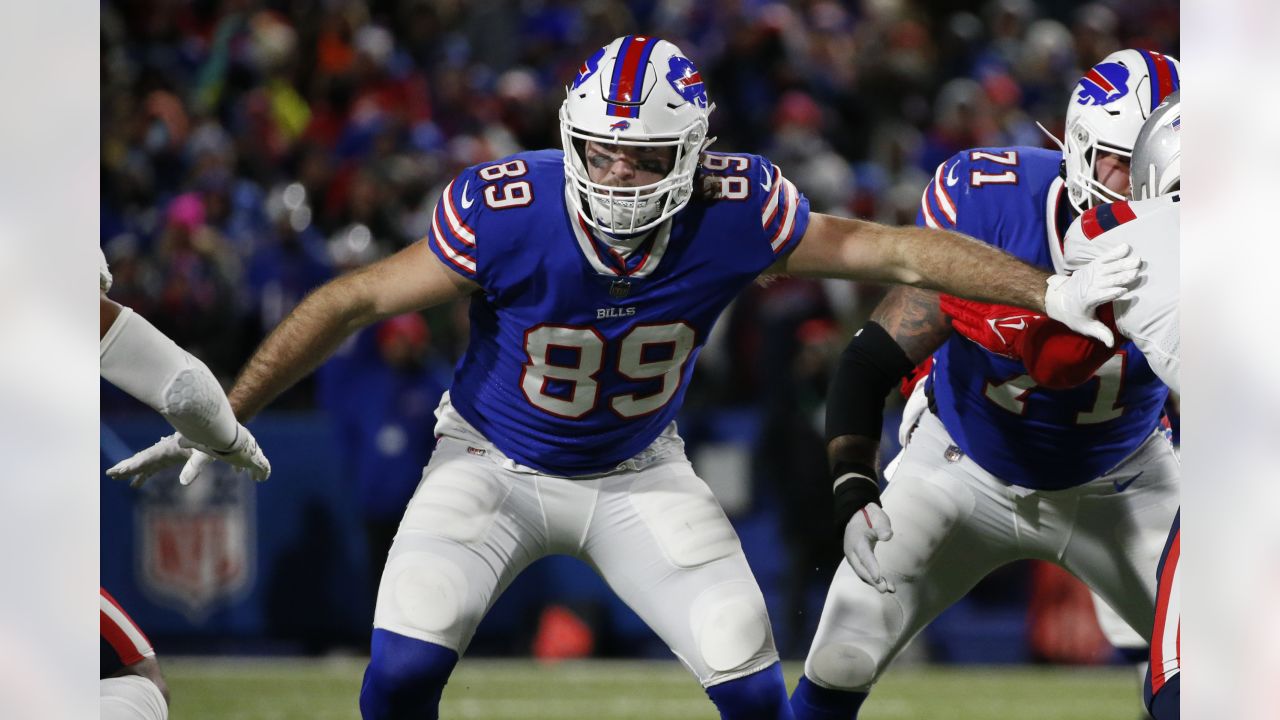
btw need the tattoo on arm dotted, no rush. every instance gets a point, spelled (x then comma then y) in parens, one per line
(914, 320)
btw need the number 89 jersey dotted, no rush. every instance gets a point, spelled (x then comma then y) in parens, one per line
(1025, 434)
(580, 355)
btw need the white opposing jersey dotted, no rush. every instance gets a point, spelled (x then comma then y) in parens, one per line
(1149, 314)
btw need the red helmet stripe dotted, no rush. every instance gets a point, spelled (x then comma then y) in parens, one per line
(1100, 80)
(1164, 76)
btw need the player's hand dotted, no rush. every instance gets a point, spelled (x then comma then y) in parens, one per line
(868, 526)
(175, 449)
(244, 455)
(145, 463)
(1072, 300)
(994, 327)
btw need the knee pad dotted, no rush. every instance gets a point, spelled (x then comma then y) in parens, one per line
(405, 678)
(424, 592)
(731, 626)
(842, 665)
(759, 696)
(131, 697)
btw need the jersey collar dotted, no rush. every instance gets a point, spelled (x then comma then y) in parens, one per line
(605, 260)
(1058, 217)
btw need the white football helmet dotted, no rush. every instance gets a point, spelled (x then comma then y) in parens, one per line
(1105, 114)
(1157, 153)
(637, 90)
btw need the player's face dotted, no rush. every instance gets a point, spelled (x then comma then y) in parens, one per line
(627, 165)
(1113, 171)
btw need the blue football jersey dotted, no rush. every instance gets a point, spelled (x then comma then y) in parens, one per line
(580, 356)
(1014, 199)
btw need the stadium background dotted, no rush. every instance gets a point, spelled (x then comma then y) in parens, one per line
(252, 150)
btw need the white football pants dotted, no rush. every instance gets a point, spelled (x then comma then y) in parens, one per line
(653, 531)
(953, 523)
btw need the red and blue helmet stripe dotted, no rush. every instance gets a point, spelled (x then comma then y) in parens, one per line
(1164, 76)
(627, 84)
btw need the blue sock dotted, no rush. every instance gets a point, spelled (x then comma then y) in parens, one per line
(1166, 705)
(758, 696)
(811, 702)
(405, 678)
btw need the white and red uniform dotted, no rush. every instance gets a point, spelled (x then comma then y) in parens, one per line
(122, 642)
(1055, 356)
(1148, 315)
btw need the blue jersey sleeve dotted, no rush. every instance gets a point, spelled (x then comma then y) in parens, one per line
(453, 235)
(974, 189)
(758, 193)
(784, 210)
(938, 203)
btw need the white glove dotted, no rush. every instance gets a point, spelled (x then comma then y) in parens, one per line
(868, 526)
(1072, 299)
(174, 449)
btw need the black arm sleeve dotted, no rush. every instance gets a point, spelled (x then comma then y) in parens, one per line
(869, 368)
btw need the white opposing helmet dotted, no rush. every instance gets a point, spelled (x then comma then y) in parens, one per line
(637, 90)
(1157, 154)
(1105, 114)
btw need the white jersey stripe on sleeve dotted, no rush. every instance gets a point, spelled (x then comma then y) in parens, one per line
(771, 205)
(455, 257)
(929, 219)
(944, 200)
(792, 202)
(120, 620)
(456, 225)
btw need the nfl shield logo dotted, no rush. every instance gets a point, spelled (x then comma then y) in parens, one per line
(196, 542)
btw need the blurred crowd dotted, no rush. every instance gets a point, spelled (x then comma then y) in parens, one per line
(252, 149)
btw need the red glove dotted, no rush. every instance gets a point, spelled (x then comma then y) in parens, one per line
(994, 327)
(1055, 357)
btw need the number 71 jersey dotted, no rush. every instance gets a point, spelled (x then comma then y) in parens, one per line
(580, 355)
(1021, 432)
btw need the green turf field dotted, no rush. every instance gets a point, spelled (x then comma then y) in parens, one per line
(289, 689)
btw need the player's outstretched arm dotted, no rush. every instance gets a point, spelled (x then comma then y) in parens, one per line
(409, 280)
(412, 279)
(957, 264)
(142, 361)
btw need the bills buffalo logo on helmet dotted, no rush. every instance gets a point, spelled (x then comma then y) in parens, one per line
(620, 125)
(1104, 84)
(687, 81)
(588, 69)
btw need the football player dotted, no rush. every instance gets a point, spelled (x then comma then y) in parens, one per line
(139, 359)
(595, 275)
(999, 466)
(1147, 314)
